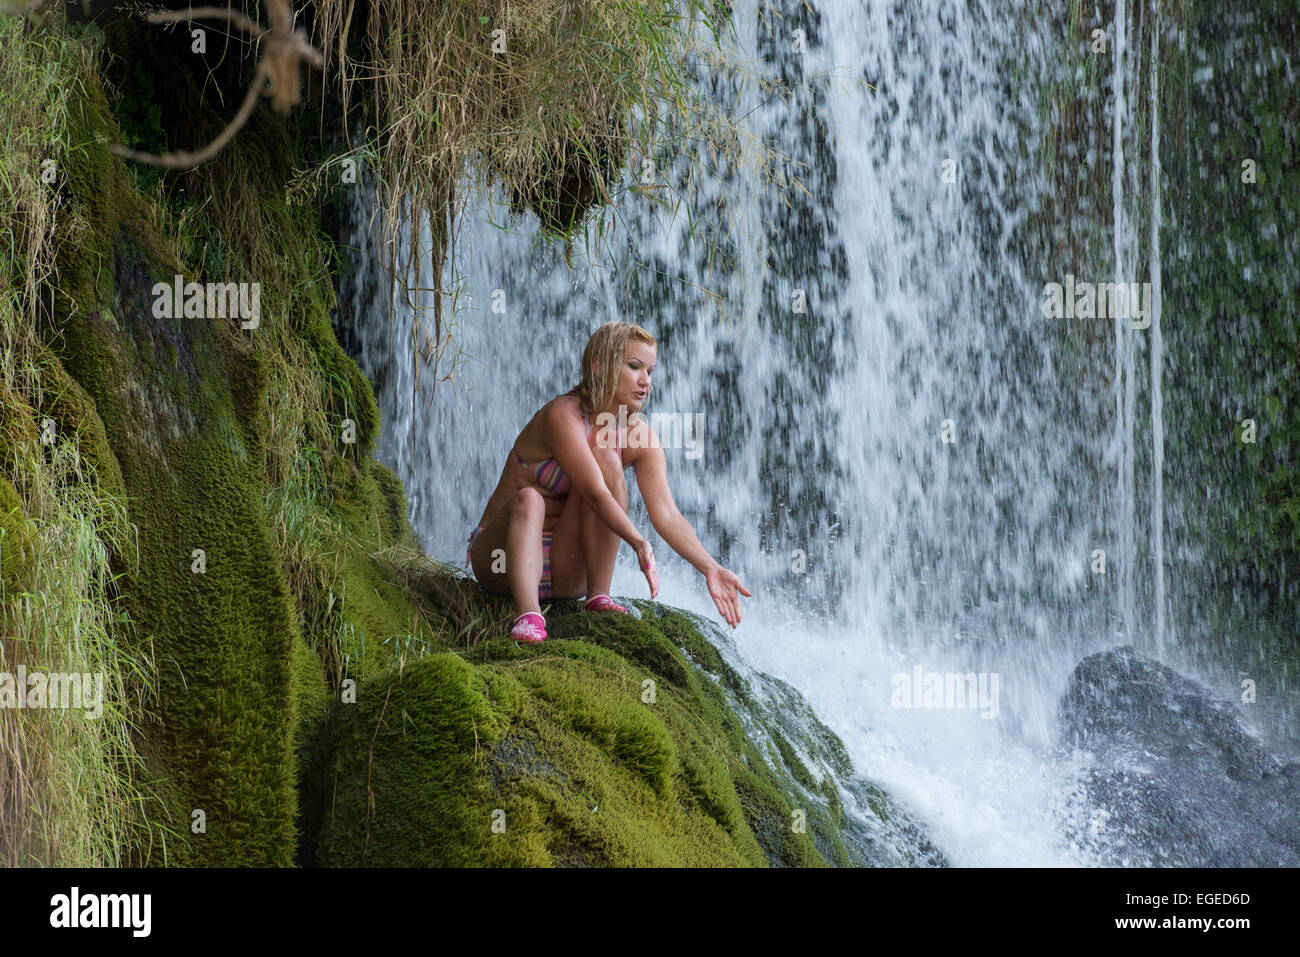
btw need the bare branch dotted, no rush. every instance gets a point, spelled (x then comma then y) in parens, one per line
(276, 76)
(215, 13)
(183, 160)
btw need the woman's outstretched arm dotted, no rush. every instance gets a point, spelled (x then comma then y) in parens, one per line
(652, 479)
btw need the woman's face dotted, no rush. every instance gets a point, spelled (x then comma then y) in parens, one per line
(634, 375)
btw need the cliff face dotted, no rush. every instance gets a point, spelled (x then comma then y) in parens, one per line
(180, 405)
(325, 693)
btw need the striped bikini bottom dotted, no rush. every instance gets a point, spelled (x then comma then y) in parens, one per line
(543, 586)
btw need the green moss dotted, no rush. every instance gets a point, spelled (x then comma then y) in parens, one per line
(349, 395)
(73, 412)
(17, 542)
(390, 506)
(618, 723)
(376, 610)
(172, 413)
(608, 745)
(379, 619)
(580, 769)
(409, 771)
(370, 502)
(311, 705)
(311, 696)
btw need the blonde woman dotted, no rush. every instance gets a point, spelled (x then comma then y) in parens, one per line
(552, 526)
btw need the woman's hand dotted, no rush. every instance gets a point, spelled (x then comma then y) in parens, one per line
(645, 557)
(723, 586)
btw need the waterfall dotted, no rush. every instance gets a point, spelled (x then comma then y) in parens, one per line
(893, 463)
(1123, 338)
(1157, 355)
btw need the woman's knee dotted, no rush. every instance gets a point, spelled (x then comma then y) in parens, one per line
(527, 503)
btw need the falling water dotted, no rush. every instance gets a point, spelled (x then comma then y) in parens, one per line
(1124, 387)
(1157, 357)
(894, 462)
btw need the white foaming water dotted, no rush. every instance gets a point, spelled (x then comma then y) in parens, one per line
(907, 433)
(984, 800)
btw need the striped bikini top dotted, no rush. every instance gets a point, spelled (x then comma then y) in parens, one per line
(547, 473)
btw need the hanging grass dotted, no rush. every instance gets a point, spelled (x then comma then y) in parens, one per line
(551, 99)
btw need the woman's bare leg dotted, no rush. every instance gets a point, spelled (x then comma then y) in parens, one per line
(582, 545)
(524, 549)
(599, 542)
(517, 530)
(568, 569)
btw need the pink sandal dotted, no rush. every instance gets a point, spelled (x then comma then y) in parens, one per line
(529, 629)
(605, 603)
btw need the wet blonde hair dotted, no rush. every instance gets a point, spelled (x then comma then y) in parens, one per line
(606, 350)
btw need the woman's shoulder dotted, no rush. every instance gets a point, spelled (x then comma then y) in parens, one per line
(561, 408)
(559, 413)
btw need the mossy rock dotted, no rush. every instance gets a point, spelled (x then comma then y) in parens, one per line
(450, 765)
(411, 786)
(608, 745)
(311, 703)
(311, 696)
(371, 502)
(390, 506)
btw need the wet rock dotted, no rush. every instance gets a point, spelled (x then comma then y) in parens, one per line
(1179, 778)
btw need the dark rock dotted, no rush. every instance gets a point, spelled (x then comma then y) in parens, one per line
(1179, 776)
